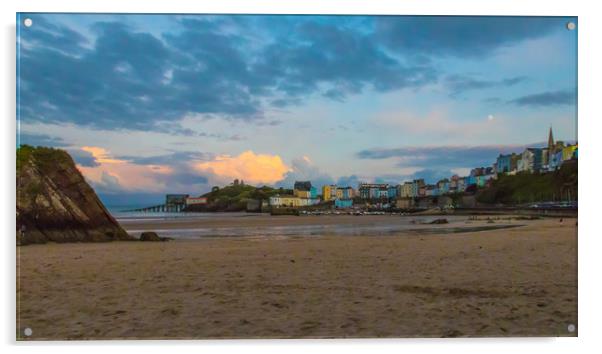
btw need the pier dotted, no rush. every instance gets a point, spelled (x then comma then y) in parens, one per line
(161, 208)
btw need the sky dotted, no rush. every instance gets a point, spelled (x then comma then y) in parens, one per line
(155, 104)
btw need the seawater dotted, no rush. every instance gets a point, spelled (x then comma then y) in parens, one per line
(387, 225)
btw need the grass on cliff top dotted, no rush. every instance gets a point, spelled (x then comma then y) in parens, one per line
(44, 157)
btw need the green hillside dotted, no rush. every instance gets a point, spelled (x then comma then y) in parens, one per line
(235, 197)
(521, 188)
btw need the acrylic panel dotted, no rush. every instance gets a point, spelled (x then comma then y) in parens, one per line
(186, 176)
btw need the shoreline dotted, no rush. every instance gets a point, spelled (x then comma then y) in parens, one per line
(318, 225)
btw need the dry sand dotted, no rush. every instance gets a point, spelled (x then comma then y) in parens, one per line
(520, 281)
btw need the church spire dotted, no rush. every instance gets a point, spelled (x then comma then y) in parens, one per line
(550, 139)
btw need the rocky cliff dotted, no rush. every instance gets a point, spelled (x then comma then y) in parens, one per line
(54, 202)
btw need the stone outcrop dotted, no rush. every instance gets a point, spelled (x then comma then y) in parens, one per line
(55, 203)
(439, 221)
(153, 237)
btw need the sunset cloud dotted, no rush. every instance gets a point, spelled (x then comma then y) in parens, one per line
(101, 155)
(110, 173)
(251, 167)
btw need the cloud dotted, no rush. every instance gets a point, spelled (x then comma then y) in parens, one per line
(108, 182)
(433, 163)
(550, 98)
(39, 140)
(167, 159)
(439, 126)
(493, 100)
(352, 180)
(431, 175)
(106, 86)
(461, 36)
(318, 54)
(176, 129)
(251, 167)
(130, 79)
(392, 179)
(458, 84)
(83, 157)
(54, 37)
(303, 169)
(188, 179)
(285, 102)
(101, 155)
(442, 157)
(183, 176)
(171, 173)
(238, 67)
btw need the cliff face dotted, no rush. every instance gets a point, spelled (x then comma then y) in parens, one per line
(54, 202)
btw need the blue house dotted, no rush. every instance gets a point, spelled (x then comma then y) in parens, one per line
(343, 203)
(555, 160)
(347, 192)
(470, 180)
(392, 192)
(313, 192)
(503, 164)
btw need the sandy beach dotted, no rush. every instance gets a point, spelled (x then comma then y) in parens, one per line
(506, 282)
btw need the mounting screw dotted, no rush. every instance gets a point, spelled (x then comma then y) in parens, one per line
(571, 328)
(571, 26)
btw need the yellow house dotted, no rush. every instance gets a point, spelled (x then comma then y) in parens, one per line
(302, 194)
(326, 190)
(406, 190)
(330, 192)
(568, 151)
(339, 193)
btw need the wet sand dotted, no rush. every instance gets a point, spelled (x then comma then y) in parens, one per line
(507, 282)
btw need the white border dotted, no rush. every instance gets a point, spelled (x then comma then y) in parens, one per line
(407, 7)
(589, 137)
